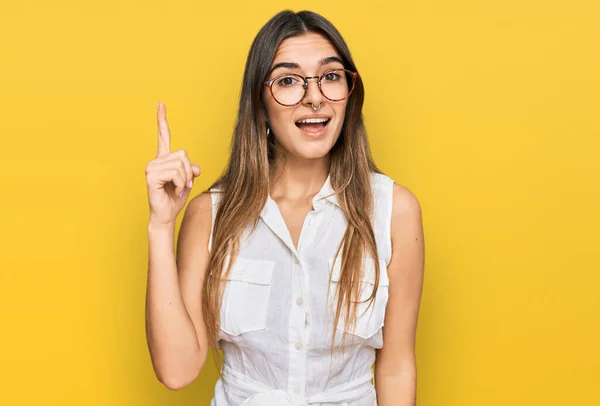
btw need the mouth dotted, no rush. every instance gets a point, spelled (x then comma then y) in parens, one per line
(313, 125)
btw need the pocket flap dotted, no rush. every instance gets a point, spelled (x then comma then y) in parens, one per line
(369, 271)
(254, 271)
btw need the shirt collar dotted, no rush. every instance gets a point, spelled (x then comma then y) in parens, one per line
(319, 200)
(325, 194)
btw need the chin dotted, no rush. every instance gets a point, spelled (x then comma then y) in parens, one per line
(315, 152)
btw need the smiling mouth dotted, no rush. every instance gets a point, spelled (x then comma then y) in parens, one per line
(312, 126)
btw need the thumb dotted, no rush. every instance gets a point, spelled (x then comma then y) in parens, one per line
(196, 170)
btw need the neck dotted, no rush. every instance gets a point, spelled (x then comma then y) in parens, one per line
(298, 179)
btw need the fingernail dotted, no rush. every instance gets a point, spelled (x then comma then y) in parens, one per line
(181, 194)
(190, 184)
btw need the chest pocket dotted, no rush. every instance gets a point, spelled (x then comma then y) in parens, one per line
(246, 296)
(370, 316)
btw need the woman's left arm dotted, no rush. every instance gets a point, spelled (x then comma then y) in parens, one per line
(395, 365)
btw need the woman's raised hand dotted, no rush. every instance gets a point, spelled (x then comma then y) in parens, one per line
(169, 177)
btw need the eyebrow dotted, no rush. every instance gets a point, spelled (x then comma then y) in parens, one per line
(293, 65)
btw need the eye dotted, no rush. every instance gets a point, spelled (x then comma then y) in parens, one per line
(332, 76)
(286, 81)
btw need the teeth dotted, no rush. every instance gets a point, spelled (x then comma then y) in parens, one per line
(313, 120)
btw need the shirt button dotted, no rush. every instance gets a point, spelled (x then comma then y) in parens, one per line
(298, 345)
(299, 301)
(296, 261)
(312, 221)
(297, 391)
(240, 271)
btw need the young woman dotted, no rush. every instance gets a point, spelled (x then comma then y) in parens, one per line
(293, 259)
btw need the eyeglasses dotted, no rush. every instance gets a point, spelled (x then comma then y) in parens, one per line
(289, 89)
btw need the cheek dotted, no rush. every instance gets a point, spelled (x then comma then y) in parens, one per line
(268, 103)
(276, 114)
(340, 113)
(280, 120)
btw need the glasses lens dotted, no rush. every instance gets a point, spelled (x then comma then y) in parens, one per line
(288, 89)
(337, 84)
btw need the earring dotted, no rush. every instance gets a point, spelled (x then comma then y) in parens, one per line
(268, 131)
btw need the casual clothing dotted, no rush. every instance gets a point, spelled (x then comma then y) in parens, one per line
(276, 323)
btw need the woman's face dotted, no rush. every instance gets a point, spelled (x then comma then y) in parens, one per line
(304, 55)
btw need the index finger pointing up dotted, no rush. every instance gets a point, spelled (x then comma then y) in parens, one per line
(164, 135)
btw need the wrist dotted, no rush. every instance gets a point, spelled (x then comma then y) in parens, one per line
(158, 226)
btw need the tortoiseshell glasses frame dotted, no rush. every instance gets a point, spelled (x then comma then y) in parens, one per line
(350, 75)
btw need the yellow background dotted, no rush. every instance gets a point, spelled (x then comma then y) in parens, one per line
(487, 110)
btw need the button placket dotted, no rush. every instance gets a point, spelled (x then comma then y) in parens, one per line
(299, 313)
(297, 357)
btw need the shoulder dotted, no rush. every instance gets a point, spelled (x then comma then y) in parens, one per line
(402, 198)
(199, 213)
(406, 223)
(401, 203)
(404, 202)
(204, 202)
(200, 204)
(380, 180)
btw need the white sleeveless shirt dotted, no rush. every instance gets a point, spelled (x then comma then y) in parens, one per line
(276, 324)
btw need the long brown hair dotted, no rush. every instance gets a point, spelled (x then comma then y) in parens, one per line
(244, 183)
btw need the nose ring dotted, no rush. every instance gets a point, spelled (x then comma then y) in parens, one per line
(316, 108)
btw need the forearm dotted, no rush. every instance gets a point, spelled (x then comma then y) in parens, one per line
(172, 340)
(398, 389)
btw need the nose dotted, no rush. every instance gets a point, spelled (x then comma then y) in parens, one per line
(313, 93)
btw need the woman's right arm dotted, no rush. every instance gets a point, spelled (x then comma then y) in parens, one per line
(175, 327)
